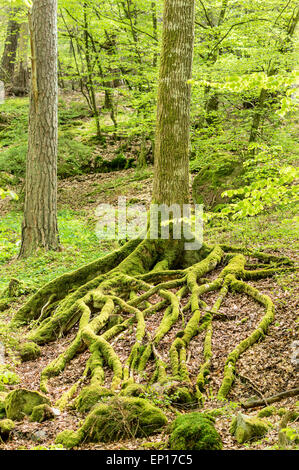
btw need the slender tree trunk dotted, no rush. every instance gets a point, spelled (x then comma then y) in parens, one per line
(171, 181)
(258, 116)
(212, 100)
(21, 80)
(10, 48)
(155, 30)
(91, 87)
(39, 229)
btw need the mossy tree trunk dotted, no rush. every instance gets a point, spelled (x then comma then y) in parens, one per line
(39, 228)
(171, 180)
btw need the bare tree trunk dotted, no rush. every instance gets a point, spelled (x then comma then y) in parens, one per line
(90, 80)
(155, 30)
(10, 48)
(171, 181)
(21, 80)
(261, 108)
(39, 229)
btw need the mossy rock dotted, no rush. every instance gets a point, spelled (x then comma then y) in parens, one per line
(4, 304)
(6, 426)
(2, 405)
(122, 417)
(41, 413)
(194, 431)
(267, 411)
(120, 162)
(29, 351)
(17, 288)
(91, 396)
(213, 179)
(180, 395)
(246, 428)
(282, 411)
(133, 390)
(21, 402)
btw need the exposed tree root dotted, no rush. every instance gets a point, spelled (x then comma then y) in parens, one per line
(124, 289)
(274, 398)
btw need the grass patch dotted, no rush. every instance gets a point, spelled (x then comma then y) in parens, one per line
(78, 239)
(277, 229)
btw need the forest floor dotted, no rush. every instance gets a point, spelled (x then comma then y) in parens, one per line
(264, 370)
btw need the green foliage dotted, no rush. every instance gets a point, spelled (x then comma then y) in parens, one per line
(7, 377)
(74, 156)
(271, 182)
(291, 434)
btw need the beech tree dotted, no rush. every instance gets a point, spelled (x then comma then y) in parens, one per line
(39, 228)
(115, 296)
(171, 180)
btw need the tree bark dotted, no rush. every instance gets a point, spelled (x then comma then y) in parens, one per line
(171, 181)
(39, 229)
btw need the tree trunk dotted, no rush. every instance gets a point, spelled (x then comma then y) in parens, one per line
(10, 48)
(171, 181)
(21, 76)
(258, 116)
(90, 80)
(39, 229)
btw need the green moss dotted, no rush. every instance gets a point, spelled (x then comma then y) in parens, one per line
(216, 177)
(179, 395)
(114, 319)
(133, 390)
(68, 439)
(42, 413)
(160, 445)
(29, 351)
(120, 418)
(2, 405)
(19, 403)
(16, 288)
(4, 304)
(282, 411)
(6, 426)
(246, 428)
(90, 396)
(267, 411)
(194, 431)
